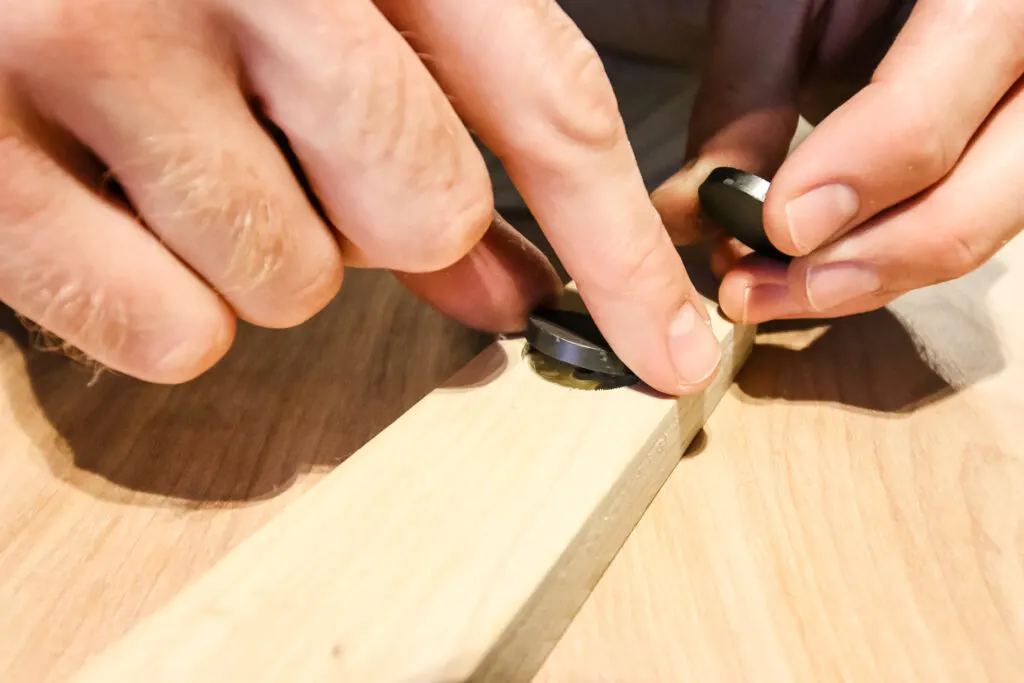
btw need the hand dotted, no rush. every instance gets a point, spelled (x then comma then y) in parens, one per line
(375, 99)
(909, 182)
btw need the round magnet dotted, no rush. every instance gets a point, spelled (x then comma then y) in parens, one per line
(573, 337)
(734, 200)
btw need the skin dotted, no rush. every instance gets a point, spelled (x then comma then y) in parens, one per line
(919, 115)
(174, 101)
(376, 100)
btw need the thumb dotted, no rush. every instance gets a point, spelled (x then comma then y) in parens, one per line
(746, 110)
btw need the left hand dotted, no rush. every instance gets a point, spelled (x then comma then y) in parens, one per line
(910, 181)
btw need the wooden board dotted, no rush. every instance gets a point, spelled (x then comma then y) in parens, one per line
(456, 545)
(116, 494)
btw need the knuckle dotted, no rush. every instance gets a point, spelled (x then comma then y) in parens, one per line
(1005, 21)
(68, 32)
(89, 318)
(181, 346)
(958, 254)
(267, 254)
(114, 327)
(313, 288)
(572, 103)
(321, 284)
(258, 239)
(932, 152)
(416, 137)
(447, 181)
(464, 218)
(26, 196)
(399, 133)
(98, 322)
(628, 270)
(385, 113)
(361, 103)
(584, 107)
(273, 271)
(100, 40)
(210, 197)
(637, 267)
(459, 221)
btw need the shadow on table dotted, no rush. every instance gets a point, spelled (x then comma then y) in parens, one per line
(873, 361)
(282, 403)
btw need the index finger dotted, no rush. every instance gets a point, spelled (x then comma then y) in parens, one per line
(524, 77)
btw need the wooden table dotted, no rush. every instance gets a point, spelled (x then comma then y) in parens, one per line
(855, 510)
(856, 514)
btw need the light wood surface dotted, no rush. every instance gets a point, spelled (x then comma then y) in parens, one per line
(857, 510)
(856, 514)
(115, 496)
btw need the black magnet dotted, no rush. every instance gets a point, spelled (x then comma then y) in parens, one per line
(572, 336)
(734, 200)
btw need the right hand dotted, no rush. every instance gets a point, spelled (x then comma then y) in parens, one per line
(372, 97)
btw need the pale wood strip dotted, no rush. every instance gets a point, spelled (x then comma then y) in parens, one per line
(456, 545)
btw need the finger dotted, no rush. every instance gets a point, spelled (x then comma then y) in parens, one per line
(495, 286)
(200, 170)
(906, 129)
(757, 289)
(941, 235)
(727, 254)
(396, 170)
(85, 271)
(745, 113)
(533, 89)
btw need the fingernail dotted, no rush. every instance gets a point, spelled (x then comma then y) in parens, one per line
(835, 284)
(819, 214)
(694, 348)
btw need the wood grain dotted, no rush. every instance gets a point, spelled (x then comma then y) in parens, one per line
(857, 512)
(454, 546)
(115, 496)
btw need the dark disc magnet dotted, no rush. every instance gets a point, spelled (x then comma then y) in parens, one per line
(572, 337)
(734, 200)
